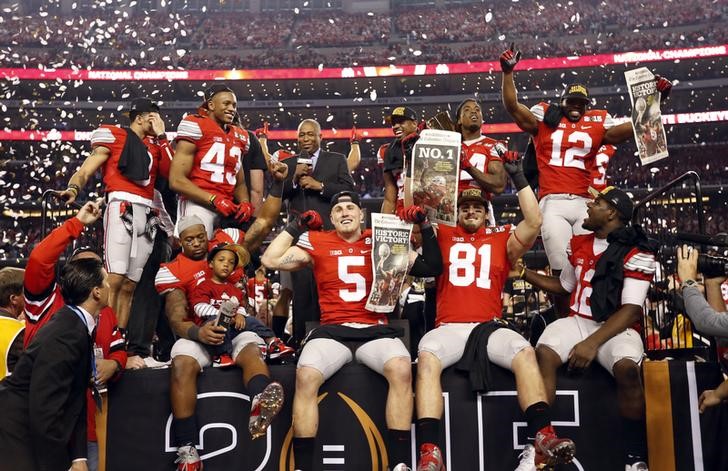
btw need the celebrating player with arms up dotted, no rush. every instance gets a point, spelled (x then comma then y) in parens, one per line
(207, 170)
(342, 267)
(567, 137)
(477, 260)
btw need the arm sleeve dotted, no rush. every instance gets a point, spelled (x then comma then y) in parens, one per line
(166, 281)
(568, 275)
(304, 241)
(705, 318)
(430, 262)
(189, 130)
(634, 291)
(538, 111)
(40, 271)
(78, 445)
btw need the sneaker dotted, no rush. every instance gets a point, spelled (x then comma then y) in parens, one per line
(552, 450)
(152, 363)
(264, 408)
(527, 459)
(279, 350)
(223, 361)
(188, 459)
(638, 466)
(430, 458)
(401, 467)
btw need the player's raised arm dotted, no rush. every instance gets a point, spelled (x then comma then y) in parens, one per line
(269, 212)
(281, 254)
(527, 230)
(520, 113)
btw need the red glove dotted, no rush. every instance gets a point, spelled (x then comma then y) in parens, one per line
(355, 137)
(464, 159)
(415, 214)
(224, 206)
(262, 132)
(664, 86)
(510, 156)
(509, 59)
(245, 212)
(312, 219)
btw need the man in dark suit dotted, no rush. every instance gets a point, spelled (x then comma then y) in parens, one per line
(43, 424)
(310, 187)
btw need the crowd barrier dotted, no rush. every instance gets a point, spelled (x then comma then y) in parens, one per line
(483, 432)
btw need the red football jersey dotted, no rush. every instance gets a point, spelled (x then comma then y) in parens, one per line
(219, 155)
(210, 292)
(343, 273)
(565, 155)
(480, 152)
(114, 139)
(584, 252)
(258, 290)
(185, 273)
(599, 175)
(397, 174)
(475, 269)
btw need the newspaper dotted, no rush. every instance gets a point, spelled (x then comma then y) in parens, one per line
(390, 260)
(435, 168)
(649, 132)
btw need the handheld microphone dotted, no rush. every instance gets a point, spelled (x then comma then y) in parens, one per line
(304, 158)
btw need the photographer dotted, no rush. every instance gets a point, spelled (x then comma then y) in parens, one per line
(709, 315)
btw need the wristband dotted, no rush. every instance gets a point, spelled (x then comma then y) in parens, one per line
(212, 200)
(523, 273)
(194, 333)
(294, 229)
(519, 181)
(118, 366)
(688, 284)
(74, 188)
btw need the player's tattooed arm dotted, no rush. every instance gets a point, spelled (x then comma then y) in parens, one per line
(176, 310)
(280, 255)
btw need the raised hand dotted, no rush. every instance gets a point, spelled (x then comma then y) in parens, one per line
(509, 59)
(664, 86)
(312, 220)
(262, 133)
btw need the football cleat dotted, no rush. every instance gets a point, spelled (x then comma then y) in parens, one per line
(527, 459)
(279, 350)
(264, 407)
(638, 466)
(430, 458)
(223, 361)
(552, 450)
(188, 459)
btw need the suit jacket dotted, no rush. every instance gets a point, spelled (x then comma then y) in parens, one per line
(332, 171)
(43, 423)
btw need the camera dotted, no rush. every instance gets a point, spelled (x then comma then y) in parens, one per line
(712, 264)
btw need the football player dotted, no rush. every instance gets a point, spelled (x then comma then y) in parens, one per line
(567, 137)
(130, 160)
(393, 157)
(477, 260)
(207, 171)
(603, 310)
(342, 265)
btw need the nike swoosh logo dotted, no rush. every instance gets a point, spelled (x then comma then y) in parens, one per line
(586, 127)
(365, 251)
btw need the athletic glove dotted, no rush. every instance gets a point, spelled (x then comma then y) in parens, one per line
(245, 212)
(262, 133)
(664, 86)
(355, 137)
(509, 59)
(415, 214)
(223, 206)
(513, 165)
(312, 220)
(464, 158)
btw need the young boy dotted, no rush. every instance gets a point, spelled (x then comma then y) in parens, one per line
(208, 297)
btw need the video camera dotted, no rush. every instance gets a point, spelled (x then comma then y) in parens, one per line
(713, 257)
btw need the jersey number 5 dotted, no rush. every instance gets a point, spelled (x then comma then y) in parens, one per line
(462, 265)
(214, 162)
(574, 155)
(360, 284)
